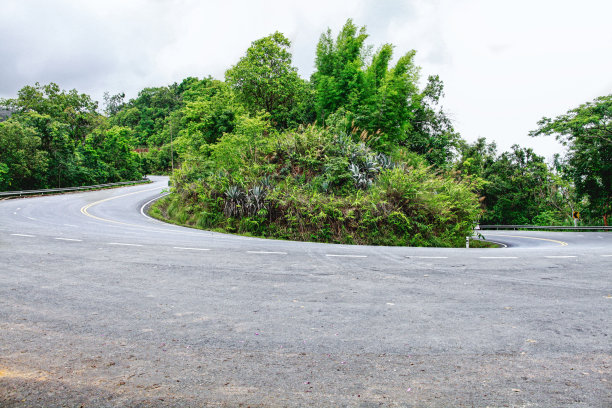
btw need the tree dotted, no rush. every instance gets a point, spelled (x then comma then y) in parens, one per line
(113, 104)
(147, 114)
(48, 142)
(360, 90)
(339, 77)
(516, 187)
(264, 79)
(432, 134)
(22, 163)
(587, 132)
(76, 111)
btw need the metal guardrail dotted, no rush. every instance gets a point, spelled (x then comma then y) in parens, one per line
(544, 227)
(66, 189)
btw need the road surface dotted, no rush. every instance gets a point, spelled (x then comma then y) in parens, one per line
(102, 306)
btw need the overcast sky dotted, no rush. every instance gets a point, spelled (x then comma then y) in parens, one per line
(505, 64)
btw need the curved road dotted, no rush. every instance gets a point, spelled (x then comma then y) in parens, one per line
(103, 306)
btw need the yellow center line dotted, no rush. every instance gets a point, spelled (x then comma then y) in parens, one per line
(562, 243)
(84, 209)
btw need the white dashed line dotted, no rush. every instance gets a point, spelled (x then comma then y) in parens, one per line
(346, 256)
(23, 235)
(30, 218)
(606, 256)
(428, 257)
(124, 244)
(498, 257)
(71, 225)
(561, 256)
(70, 239)
(192, 249)
(267, 252)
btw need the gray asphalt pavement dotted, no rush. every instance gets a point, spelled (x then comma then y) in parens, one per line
(103, 306)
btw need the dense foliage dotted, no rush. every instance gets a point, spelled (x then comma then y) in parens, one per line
(55, 138)
(587, 131)
(516, 187)
(311, 184)
(362, 152)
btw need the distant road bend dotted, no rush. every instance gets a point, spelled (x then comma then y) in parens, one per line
(103, 306)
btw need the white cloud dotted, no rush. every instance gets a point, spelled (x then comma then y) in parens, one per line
(504, 64)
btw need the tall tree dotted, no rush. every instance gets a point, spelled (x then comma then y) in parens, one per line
(359, 89)
(22, 162)
(264, 79)
(587, 132)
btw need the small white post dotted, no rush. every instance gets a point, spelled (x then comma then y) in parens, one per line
(467, 242)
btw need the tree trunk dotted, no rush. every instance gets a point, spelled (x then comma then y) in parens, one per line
(605, 217)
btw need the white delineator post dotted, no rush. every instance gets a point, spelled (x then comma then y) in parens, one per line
(467, 242)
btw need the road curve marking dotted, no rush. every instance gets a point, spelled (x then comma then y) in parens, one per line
(149, 202)
(562, 243)
(88, 206)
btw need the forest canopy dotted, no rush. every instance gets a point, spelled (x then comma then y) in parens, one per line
(361, 152)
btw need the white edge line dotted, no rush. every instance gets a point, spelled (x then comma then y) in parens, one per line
(498, 243)
(347, 256)
(124, 244)
(498, 257)
(192, 249)
(149, 202)
(267, 252)
(70, 239)
(427, 257)
(23, 235)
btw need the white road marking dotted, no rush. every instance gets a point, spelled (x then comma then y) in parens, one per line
(498, 243)
(70, 239)
(428, 257)
(23, 235)
(149, 202)
(71, 225)
(30, 218)
(347, 256)
(124, 244)
(561, 256)
(192, 249)
(267, 252)
(606, 255)
(498, 257)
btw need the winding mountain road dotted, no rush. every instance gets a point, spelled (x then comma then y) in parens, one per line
(101, 305)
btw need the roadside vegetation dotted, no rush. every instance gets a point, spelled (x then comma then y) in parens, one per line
(362, 152)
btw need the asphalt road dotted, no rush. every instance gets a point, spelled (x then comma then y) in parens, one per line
(102, 306)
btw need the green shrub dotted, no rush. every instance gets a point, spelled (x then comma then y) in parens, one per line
(304, 185)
